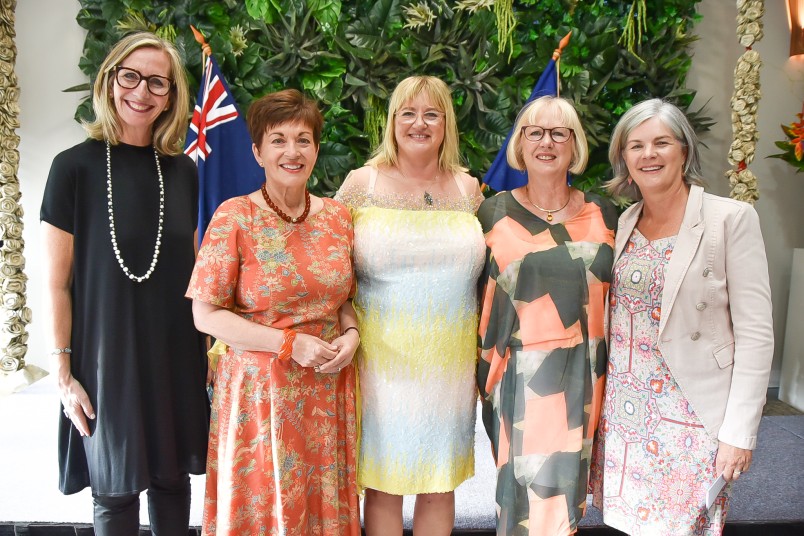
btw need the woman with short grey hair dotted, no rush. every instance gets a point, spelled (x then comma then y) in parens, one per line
(690, 336)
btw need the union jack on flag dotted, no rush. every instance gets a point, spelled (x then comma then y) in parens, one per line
(219, 143)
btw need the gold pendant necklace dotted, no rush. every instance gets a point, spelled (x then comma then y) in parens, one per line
(549, 212)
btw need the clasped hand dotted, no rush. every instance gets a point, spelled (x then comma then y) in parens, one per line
(324, 357)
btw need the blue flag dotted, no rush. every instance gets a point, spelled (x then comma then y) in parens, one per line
(220, 144)
(501, 176)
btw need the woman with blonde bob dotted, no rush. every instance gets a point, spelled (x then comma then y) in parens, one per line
(549, 252)
(418, 253)
(118, 220)
(691, 336)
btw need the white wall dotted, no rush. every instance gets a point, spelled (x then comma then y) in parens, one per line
(49, 44)
(780, 206)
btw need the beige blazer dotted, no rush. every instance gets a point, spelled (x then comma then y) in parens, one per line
(716, 328)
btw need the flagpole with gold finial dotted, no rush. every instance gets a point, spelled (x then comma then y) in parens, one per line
(206, 50)
(557, 57)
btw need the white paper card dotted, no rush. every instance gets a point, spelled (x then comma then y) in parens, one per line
(714, 490)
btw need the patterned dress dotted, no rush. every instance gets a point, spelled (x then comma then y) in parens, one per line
(416, 267)
(543, 357)
(282, 445)
(653, 460)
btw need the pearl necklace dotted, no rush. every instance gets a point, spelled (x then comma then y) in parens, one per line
(146, 275)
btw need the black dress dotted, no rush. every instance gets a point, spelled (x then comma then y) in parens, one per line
(135, 348)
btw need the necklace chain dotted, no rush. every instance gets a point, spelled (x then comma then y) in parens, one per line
(549, 212)
(113, 233)
(428, 199)
(282, 214)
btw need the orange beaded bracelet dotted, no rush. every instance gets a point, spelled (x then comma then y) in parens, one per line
(285, 351)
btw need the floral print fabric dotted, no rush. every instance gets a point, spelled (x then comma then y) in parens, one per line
(653, 459)
(282, 446)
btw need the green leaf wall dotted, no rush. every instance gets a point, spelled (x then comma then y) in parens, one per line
(349, 55)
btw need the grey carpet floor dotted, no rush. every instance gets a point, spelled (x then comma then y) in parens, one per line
(772, 491)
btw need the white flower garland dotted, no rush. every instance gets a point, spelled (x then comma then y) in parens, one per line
(14, 315)
(745, 102)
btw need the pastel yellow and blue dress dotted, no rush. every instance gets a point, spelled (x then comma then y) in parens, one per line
(417, 261)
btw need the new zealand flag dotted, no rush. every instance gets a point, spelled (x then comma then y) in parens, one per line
(219, 142)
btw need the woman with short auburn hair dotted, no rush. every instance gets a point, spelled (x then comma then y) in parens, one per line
(272, 282)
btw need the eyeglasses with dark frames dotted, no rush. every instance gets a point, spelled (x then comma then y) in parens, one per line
(130, 78)
(557, 134)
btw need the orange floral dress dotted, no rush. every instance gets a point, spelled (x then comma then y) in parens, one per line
(282, 444)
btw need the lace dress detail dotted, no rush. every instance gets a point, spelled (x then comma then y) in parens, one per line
(357, 197)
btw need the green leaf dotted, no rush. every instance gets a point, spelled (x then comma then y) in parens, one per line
(80, 87)
(326, 12)
(260, 10)
(218, 15)
(334, 159)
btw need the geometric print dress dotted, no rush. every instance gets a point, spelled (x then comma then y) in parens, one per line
(543, 357)
(653, 460)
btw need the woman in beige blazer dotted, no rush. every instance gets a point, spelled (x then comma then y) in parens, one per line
(690, 335)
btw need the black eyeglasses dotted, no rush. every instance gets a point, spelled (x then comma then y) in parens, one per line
(557, 134)
(130, 78)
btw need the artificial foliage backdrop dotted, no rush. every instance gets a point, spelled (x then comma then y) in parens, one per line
(350, 54)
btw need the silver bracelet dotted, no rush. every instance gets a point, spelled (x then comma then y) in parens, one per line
(59, 351)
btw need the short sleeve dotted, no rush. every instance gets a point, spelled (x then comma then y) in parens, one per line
(58, 203)
(217, 268)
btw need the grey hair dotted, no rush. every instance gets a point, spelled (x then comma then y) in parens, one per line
(672, 118)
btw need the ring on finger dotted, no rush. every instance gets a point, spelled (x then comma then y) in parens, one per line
(737, 472)
(317, 368)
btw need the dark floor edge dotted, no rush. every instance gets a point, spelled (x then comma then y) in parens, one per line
(736, 528)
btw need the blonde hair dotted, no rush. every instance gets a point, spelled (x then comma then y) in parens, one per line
(675, 120)
(569, 118)
(439, 94)
(170, 127)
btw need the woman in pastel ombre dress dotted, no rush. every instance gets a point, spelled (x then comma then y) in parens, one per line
(418, 253)
(543, 352)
